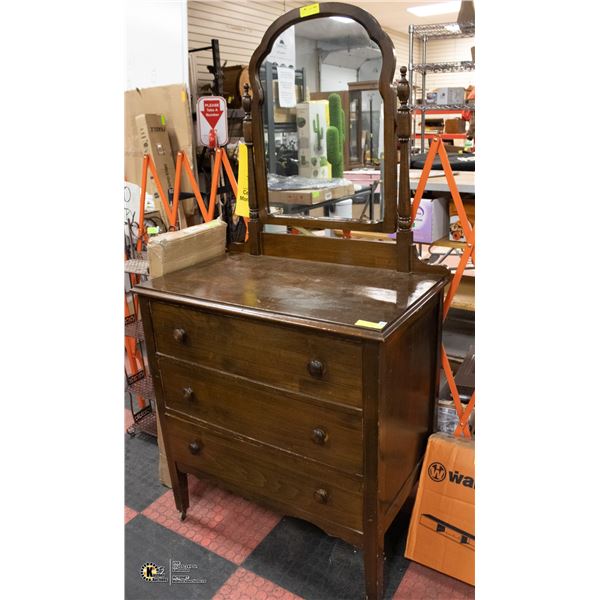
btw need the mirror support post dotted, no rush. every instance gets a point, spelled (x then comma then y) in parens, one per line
(404, 236)
(254, 225)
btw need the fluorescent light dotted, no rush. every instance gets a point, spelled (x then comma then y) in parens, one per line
(429, 10)
(452, 27)
(342, 19)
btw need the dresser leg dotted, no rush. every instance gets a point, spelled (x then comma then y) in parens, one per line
(179, 481)
(373, 559)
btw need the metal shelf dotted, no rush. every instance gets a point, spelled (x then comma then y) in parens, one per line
(285, 126)
(440, 108)
(137, 266)
(445, 67)
(134, 328)
(145, 423)
(143, 387)
(444, 30)
(444, 136)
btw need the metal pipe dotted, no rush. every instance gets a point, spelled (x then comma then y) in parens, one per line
(412, 97)
(423, 61)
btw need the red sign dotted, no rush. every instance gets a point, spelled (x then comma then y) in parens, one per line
(212, 121)
(212, 111)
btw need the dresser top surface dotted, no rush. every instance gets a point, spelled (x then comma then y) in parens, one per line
(269, 286)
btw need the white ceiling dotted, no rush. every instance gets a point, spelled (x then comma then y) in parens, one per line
(393, 15)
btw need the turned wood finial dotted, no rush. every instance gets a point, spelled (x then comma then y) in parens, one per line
(403, 131)
(247, 102)
(403, 89)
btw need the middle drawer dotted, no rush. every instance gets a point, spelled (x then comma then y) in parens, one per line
(263, 413)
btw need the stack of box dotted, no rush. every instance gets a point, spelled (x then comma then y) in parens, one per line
(456, 230)
(312, 120)
(431, 221)
(442, 527)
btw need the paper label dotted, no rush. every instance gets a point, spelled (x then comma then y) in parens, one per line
(371, 324)
(284, 49)
(286, 86)
(311, 9)
(152, 230)
(242, 206)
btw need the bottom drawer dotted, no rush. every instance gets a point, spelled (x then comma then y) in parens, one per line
(306, 487)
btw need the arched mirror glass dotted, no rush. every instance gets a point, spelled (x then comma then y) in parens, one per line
(323, 122)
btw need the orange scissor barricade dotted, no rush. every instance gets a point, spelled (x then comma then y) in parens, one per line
(437, 147)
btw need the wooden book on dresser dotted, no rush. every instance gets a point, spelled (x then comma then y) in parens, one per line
(302, 372)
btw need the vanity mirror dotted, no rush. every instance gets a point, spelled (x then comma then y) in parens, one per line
(324, 103)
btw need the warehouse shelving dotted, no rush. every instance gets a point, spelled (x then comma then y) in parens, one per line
(436, 31)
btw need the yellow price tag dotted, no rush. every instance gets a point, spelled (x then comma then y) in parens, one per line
(242, 206)
(311, 9)
(371, 324)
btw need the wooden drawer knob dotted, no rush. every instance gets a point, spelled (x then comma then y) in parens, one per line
(321, 496)
(195, 447)
(316, 368)
(319, 436)
(179, 335)
(188, 393)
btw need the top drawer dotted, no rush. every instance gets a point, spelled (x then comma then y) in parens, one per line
(309, 363)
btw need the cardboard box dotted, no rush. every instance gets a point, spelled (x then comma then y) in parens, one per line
(312, 120)
(431, 222)
(155, 142)
(175, 250)
(283, 114)
(431, 98)
(450, 95)
(442, 526)
(456, 231)
(171, 101)
(308, 197)
(455, 126)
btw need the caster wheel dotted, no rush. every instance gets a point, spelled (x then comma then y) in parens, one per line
(182, 515)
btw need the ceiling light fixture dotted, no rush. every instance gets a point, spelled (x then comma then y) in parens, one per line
(429, 10)
(452, 27)
(342, 19)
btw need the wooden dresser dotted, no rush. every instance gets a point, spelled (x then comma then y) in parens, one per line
(302, 371)
(265, 385)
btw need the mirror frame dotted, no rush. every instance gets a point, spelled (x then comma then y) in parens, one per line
(387, 89)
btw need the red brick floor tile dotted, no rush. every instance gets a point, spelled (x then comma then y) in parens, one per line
(129, 514)
(244, 585)
(128, 419)
(421, 583)
(224, 523)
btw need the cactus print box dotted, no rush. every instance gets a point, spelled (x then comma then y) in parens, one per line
(312, 120)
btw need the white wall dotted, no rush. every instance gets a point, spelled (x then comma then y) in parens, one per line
(334, 78)
(156, 43)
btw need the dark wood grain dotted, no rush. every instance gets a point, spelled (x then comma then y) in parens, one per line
(407, 405)
(337, 294)
(178, 478)
(269, 473)
(386, 89)
(264, 414)
(230, 344)
(373, 387)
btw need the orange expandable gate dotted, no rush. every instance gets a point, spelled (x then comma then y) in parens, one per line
(437, 147)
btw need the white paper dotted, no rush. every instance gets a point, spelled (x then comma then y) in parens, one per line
(286, 87)
(284, 49)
